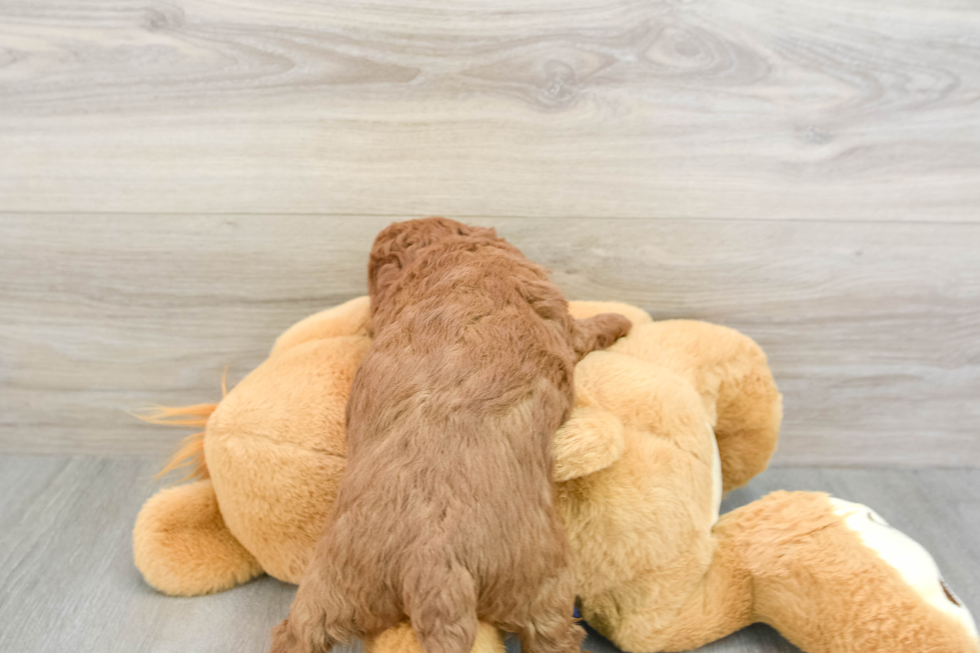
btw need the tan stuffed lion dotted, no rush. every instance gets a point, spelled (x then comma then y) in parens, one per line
(666, 420)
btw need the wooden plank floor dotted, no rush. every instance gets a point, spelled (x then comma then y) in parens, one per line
(69, 584)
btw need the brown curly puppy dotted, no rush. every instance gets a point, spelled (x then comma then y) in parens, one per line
(445, 513)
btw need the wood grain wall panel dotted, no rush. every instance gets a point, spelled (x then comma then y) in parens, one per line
(833, 110)
(871, 328)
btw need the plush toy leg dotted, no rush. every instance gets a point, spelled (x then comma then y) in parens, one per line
(732, 376)
(719, 604)
(182, 546)
(402, 640)
(828, 577)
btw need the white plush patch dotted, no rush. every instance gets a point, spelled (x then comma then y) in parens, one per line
(910, 558)
(717, 483)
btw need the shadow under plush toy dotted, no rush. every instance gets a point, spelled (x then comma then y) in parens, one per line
(666, 420)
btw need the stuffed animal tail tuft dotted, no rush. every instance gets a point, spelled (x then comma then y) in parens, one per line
(189, 454)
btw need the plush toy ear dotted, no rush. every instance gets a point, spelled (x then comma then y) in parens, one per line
(590, 440)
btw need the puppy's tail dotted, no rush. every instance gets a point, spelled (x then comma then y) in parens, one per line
(189, 454)
(441, 602)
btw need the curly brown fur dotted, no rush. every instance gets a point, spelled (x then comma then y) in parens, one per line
(445, 514)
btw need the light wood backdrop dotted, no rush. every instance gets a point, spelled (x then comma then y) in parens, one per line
(181, 181)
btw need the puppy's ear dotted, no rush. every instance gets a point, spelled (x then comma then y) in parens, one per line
(590, 440)
(393, 250)
(384, 266)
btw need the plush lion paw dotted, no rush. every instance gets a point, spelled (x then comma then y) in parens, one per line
(916, 566)
(182, 546)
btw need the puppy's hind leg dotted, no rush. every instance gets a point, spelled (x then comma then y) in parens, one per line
(285, 639)
(550, 625)
(598, 332)
(319, 618)
(441, 603)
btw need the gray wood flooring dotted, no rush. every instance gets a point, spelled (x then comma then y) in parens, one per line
(67, 581)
